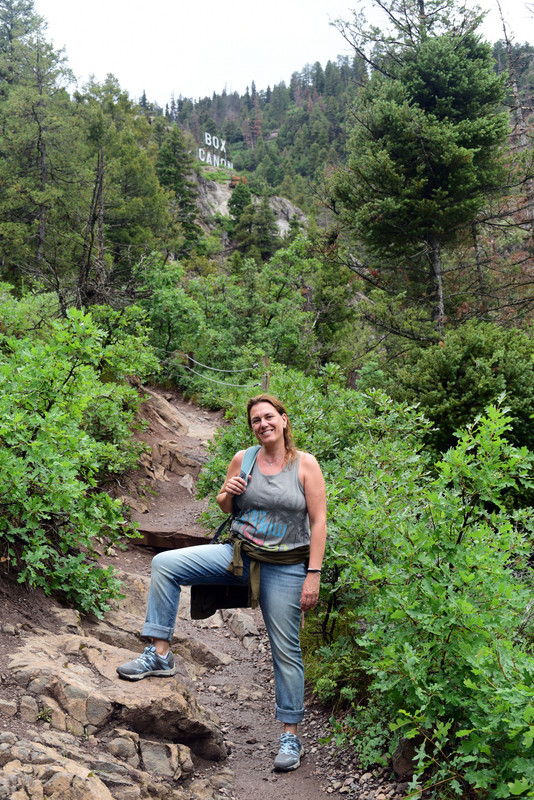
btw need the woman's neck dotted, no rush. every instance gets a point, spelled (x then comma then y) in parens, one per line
(273, 457)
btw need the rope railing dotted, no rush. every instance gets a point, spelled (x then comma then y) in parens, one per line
(205, 366)
(223, 383)
(264, 384)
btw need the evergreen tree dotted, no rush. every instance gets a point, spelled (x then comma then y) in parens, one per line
(133, 211)
(425, 152)
(174, 166)
(240, 199)
(40, 155)
(256, 232)
(265, 229)
(318, 78)
(18, 21)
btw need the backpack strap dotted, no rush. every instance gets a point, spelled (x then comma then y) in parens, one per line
(249, 459)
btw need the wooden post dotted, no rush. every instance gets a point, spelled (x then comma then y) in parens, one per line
(266, 377)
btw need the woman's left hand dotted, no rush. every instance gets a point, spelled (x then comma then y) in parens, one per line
(310, 591)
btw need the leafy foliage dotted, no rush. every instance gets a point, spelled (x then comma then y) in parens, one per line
(455, 379)
(283, 309)
(444, 594)
(63, 427)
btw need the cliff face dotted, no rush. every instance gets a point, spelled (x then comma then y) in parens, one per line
(213, 198)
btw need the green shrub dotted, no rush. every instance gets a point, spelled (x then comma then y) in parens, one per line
(440, 574)
(227, 320)
(455, 380)
(62, 427)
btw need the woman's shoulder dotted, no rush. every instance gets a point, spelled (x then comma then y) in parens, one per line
(237, 459)
(306, 458)
(308, 464)
(310, 472)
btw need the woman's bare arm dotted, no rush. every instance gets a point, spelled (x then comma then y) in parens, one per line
(315, 492)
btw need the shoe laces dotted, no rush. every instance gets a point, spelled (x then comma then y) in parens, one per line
(148, 656)
(289, 744)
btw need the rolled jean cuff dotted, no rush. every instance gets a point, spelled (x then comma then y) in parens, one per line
(288, 716)
(157, 631)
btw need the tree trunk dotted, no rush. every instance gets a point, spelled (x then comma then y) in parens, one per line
(41, 232)
(436, 277)
(422, 18)
(481, 278)
(100, 206)
(96, 214)
(43, 168)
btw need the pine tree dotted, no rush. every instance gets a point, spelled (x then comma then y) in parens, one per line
(174, 166)
(131, 213)
(39, 154)
(425, 151)
(240, 199)
(18, 21)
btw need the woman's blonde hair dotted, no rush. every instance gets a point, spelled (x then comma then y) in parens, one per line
(291, 450)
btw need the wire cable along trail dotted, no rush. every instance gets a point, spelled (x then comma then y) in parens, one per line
(214, 369)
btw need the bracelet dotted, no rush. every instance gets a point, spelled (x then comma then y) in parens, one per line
(314, 570)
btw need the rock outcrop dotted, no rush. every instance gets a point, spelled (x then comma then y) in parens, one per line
(213, 199)
(74, 729)
(97, 737)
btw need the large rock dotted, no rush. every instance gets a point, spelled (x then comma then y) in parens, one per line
(213, 199)
(54, 765)
(403, 759)
(32, 770)
(164, 414)
(76, 678)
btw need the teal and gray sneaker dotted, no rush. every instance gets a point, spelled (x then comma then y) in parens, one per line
(149, 663)
(289, 754)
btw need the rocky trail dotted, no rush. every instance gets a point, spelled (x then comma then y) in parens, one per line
(71, 730)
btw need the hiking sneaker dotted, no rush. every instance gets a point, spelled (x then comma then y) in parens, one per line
(150, 663)
(291, 750)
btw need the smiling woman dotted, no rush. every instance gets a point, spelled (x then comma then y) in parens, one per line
(278, 536)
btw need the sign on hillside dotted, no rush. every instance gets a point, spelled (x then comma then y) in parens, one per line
(214, 152)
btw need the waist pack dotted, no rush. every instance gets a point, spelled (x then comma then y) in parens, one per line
(207, 598)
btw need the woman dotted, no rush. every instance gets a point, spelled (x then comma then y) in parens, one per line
(278, 531)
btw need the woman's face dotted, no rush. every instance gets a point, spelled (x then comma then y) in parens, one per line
(267, 423)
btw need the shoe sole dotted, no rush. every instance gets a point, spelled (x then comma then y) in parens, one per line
(287, 769)
(160, 673)
(292, 767)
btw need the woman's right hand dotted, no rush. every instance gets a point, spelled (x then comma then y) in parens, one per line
(235, 485)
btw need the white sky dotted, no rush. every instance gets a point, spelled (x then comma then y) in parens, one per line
(197, 48)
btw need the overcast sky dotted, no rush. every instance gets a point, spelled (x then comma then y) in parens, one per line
(197, 48)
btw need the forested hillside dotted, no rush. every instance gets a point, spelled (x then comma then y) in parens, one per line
(396, 324)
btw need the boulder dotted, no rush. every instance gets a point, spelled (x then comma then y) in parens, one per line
(213, 198)
(79, 675)
(403, 759)
(52, 765)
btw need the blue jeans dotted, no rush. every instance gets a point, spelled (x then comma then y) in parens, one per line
(280, 589)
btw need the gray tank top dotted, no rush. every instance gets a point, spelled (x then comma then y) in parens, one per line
(271, 513)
